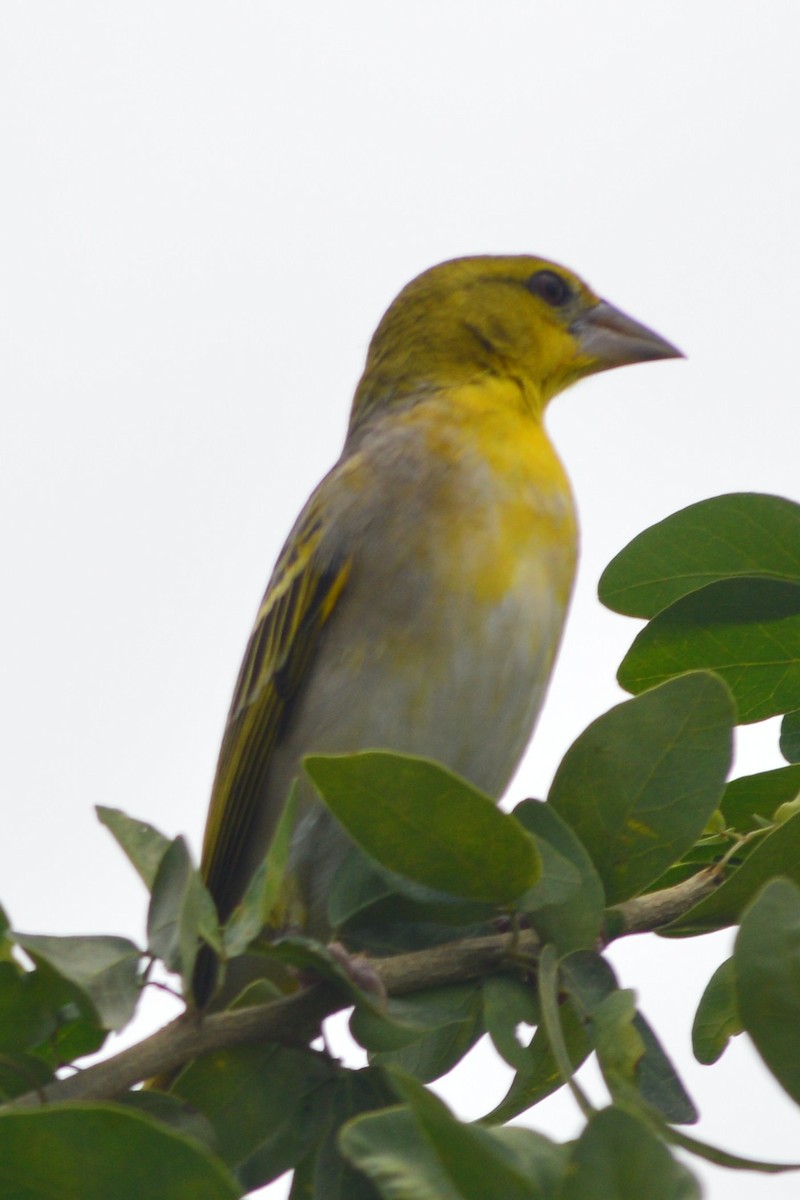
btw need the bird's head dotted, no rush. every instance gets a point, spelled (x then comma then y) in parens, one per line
(517, 317)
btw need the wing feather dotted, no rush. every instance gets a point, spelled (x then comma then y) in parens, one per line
(301, 596)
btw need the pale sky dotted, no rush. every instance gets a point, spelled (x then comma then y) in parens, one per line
(205, 209)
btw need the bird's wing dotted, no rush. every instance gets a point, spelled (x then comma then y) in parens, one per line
(300, 598)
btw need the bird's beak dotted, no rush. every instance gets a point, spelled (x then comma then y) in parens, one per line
(609, 338)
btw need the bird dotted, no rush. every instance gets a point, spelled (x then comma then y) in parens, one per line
(419, 600)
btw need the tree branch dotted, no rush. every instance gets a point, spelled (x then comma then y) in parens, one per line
(644, 914)
(296, 1019)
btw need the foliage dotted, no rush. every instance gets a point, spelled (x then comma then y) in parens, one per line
(642, 830)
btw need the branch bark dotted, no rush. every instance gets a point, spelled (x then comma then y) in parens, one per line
(645, 914)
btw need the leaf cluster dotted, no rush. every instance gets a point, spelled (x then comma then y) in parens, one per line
(469, 921)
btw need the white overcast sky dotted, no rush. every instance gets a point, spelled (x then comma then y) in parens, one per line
(204, 210)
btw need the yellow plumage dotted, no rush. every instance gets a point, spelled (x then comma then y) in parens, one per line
(419, 600)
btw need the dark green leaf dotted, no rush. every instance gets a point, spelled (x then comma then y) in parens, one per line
(767, 972)
(508, 1003)
(181, 911)
(566, 905)
(391, 1149)
(640, 783)
(590, 982)
(479, 1162)
(717, 1018)
(617, 1157)
(619, 1047)
(542, 1162)
(24, 1022)
(76, 1029)
(539, 1076)
(355, 1092)
(303, 1178)
(104, 968)
(382, 913)
(759, 796)
(93, 1152)
(790, 736)
(778, 853)
(171, 1111)
(739, 534)
(144, 845)
(658, 1081)
(420, 820)
(21, 1073)
(400, 1020)
(588, 978)
(746, 630)
(267, 1105)
(437, 1051)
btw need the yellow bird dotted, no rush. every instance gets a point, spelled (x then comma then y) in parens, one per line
(419, 600)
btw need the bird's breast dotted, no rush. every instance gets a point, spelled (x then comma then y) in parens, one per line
(460, 584)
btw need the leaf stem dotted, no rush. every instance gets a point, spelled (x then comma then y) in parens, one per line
(548, 996)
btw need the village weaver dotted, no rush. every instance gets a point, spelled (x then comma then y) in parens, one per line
(419, 600)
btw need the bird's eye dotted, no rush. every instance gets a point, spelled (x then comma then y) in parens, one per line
(550, 287)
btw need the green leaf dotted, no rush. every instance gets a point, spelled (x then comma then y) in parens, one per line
(21, 1073)
(24, 1022)
(378, 911)
(541, 1161)
(548, 996)
(76, 1029)
(778, 853)
(566, 906)
(658, 1082)
(739, 534)
(589, 980)
(171, 1111)
(93, 1152)
(640, 783)
(144, 845)
(267, 1105)
(538, 1075)
(104, 968)
(619, 1046)
(758, 796)
(355, 1092)
(401, 1020)
(767, 972)
(420, 820)
(790, 736)
(303, 1178)
(617, 1157)
(391, 1149)
(478, 1161)
(439, 1049)
(265, 888)
(181, 911)
(509, 1003)
(746, 630)
(717, 1018)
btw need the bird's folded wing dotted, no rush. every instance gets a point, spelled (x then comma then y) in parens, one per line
(301, 596)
